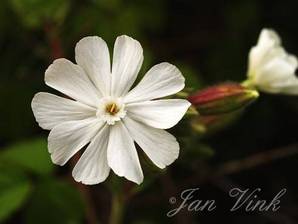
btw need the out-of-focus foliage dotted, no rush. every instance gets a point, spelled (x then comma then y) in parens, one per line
(15, 188)
(36, 13)
(193, 81)
(56, 200)
(27, 178)
(31, 156)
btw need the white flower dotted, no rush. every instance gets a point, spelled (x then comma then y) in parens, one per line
(271, 68)
(104, 112)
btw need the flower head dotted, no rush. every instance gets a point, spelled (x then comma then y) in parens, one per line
(106, 115)
(271, 68)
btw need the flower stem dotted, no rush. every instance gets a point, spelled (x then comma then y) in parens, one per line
(86, 195)
(117, 208)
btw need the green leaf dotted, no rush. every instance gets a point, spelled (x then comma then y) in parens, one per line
(13, 198)
(55, 202)
(29, 155)
(14, 190)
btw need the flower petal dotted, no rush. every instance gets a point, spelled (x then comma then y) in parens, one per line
(71, 80)
(92, 54)
(158, 113)
(122, 154)
(69, 137)
(160, 146)
(286, 86)
(291, 89)
(161, 80)
(92, 167)
(127, 61)
(259, 54)
(51, 110)
(277, 70)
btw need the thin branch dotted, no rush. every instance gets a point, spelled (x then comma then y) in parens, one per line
(117, 208)
(225, 184)
(256, 160)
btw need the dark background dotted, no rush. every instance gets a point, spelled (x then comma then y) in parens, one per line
(209, 42)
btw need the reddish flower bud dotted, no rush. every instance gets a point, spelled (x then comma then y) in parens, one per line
(222, 98)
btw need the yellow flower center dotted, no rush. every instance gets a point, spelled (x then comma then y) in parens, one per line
(112, 108)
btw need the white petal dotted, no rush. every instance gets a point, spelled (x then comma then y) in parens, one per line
(160, 146)
(127, 61)
(122, 154)
(286, 86)
(258, 55)
(277, 70)
(269, 38)
(69, 137)
(92, 167)
(158, 113)
(291, 89)
(92, 54)
(71, 80)
(51, 110)
(161, 80)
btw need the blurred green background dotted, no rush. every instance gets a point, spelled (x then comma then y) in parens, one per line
(209, 42)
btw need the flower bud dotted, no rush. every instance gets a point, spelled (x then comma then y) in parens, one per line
(222, 98)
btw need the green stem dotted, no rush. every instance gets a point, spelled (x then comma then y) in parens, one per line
(248, 83)
(117, 208)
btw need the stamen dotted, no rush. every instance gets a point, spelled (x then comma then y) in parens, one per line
(112, 108)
